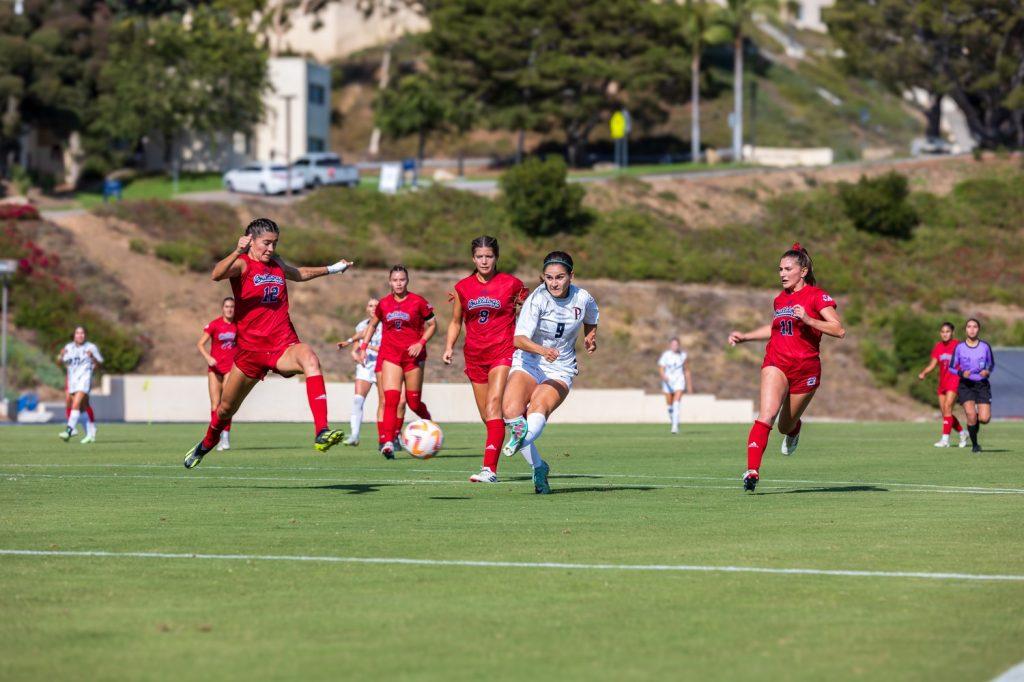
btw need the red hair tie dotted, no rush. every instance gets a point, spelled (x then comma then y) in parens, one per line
(796, 247)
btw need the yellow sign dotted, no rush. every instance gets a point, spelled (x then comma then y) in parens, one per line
(618, 125)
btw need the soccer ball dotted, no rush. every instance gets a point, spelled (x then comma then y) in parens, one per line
(422, 439)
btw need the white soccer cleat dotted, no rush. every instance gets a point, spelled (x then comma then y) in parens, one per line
(65, 435)
(351, 440)
(485, 476)
(225, 441)
(789, 444)
(674, 429)
(89, 438)
(74, 432)
(943, 443)
(963, 438)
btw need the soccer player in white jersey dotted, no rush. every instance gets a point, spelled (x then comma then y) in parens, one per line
(544, 364)
(675, 379)
(366, 376)
(80, 357)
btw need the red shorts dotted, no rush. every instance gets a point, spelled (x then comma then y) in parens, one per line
(804, 376)
(478, 372)
(256, 363)
(950, 384)
(402, 359)
(222, 367)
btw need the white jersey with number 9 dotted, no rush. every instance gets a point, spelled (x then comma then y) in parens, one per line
(555, 323)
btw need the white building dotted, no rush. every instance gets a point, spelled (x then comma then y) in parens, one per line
(307, 86)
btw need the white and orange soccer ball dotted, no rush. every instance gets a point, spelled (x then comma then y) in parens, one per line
(422, 439)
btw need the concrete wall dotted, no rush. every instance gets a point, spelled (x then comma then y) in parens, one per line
(138, 398)
(783, 157)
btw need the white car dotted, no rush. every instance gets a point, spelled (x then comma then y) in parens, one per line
(263, 178)
(325, 168)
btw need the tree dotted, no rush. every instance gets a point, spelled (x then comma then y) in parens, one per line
(739, 16)
(167, 76)
(970, 50)
(412, 107)
(563, 65)
(702, 27)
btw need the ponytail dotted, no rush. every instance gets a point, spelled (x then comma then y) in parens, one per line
(803, 259)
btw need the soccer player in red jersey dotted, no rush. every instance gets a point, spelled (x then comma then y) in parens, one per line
(791, 372)
(221, 334)
(487, 301)
(949, 382)
(408, 325)
(266, 339)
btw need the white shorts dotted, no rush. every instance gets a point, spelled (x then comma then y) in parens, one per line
(542, 374)
(673, 385)
(365, 373)
(80, 384)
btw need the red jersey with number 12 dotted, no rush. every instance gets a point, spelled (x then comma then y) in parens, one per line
(403, 323)
(792, 341)
(261, 307)
(489, 311)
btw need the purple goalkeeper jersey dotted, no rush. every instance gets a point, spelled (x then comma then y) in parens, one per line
(973, 360)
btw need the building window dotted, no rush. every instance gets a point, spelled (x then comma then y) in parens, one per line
(317, 94)
(315, 144)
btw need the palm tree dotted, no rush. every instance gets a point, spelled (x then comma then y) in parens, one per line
(702, 26)
(738, 16)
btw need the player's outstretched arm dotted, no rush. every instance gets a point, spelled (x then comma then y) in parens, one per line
(759, 334)
(306, 273)
(201, 345)
(454, 329)
(928, 370)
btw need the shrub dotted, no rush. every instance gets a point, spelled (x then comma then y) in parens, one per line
(879, 205)
(193, 256)
(138, 246)
(18, 212)
(540, 201)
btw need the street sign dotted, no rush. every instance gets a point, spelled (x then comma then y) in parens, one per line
(390, 178)
(8, 266)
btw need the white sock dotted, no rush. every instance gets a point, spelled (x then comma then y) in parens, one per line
(90, 427)
(73, 418)
(531, 455)
(535, 424)
(671, 411)
(675, 415)
(356, 421)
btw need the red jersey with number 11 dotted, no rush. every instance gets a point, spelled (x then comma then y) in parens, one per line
(489, 311)
(261, 307)
(791, 339)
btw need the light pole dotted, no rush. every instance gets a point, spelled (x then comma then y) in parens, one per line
(288, 139)
(7, 267)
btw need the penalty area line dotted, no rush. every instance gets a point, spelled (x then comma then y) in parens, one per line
(400, 561)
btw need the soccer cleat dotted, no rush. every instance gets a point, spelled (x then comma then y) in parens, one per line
(750, 479)
(675, 429)
(89, 438)
(397, 442)
(352, 441)
(194, 456)
(485, 476)
(74, 431)
(66, 434)
(540, 479)
(388, 450)
(789, 444)
(975, 448)
(943, 443)
(963, 438)
(518, 431)
(327, 439)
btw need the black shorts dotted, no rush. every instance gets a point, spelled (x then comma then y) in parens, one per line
(974, 391)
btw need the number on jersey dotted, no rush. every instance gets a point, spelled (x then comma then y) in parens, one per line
(271, 294)
(485, 315)
(786, 327)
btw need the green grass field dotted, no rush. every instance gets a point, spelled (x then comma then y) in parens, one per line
(860, 497)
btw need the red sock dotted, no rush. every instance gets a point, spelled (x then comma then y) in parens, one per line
(413, 401)
(495, 436)
(67, 412)
(947, 425)
(956, 424)
(317, 395)
(213, 431)
(757, 441)
(391, 425)
(796, 429)
(381, 433)
(88, 411)
(227, 424)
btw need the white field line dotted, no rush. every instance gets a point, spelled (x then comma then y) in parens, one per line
(1014, 674)
(681, 568)
(928, 487)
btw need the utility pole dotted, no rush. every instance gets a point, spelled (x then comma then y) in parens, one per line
(288, 139)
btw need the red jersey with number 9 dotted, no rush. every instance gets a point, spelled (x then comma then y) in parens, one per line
(261, 307)
(489, 311)
(403, 324)
(792, 341)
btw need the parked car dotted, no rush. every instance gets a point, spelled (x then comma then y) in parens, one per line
(325, 168)
(262, 178)
(925, 146)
